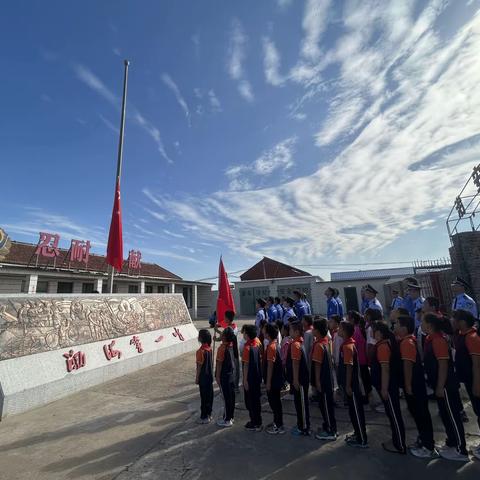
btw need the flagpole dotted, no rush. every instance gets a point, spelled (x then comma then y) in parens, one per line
(120, 143)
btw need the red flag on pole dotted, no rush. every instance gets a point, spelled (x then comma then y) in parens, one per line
(115, 237)
(225, 298)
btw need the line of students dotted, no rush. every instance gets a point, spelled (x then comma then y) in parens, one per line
(395, 362)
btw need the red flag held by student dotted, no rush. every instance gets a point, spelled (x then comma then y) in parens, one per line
(115, 237)
(225, 298)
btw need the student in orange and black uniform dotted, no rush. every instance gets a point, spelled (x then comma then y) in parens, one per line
(225, 376)
(252, 377)
(298, 377)
(386, 368)
(204, 376)
(414, 387)
(274, 379)
(467, 360)
(441, 377)
(322, 379)
(349, 378)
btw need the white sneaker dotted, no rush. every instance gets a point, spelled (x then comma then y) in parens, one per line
(476, 452)
(422, 452)
(224, 423)
(451, 453)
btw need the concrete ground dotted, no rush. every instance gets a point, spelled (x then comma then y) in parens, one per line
(142, 426)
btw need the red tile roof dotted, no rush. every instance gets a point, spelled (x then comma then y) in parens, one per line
(268, 268)
(24, 254)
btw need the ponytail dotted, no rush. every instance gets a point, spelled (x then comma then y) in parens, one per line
(439, 323)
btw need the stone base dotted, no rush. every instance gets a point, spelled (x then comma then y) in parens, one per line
(34, 380)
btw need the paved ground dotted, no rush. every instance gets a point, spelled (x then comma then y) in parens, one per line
(142, 426)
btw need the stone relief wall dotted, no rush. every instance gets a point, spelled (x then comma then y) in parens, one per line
(34, 324)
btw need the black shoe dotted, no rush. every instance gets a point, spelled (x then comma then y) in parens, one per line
(392, 449)
(250, 426)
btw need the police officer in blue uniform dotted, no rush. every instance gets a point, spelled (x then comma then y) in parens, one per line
(462, 301)
(339, 301)
(300, 308)
(371, 296)
(332, 305)
(417, 302)
(397, 300)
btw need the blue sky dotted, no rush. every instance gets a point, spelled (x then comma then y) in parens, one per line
(314, 132)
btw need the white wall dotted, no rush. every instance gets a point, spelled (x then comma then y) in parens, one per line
(11, 284)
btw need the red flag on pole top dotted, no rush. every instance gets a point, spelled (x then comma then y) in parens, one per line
(225, 298)
(115, 237)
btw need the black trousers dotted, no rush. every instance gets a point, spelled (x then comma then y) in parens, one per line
(228, 392)
(357, 416)
(418, 408)
(394, 414)
(367, 382)
(300, 398)
(253, 405)
(475, 402)
(450, 407)
(206, 400)
(275, 403)
(327, 408)
(237, 372)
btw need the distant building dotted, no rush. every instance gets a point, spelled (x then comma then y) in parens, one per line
(22, 270)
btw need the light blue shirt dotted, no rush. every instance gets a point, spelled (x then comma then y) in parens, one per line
(287, 315)
(375, 304)
(340, 306)
(463, 302)
(272, 314)
(300, 309)
(259, 318)
(332, 307)
(417, 307)
(397, 303)
(308, 306)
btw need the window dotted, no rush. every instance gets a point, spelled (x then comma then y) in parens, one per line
(160, 289)
(64, 287)
(88, 287)
(187, 295)
(133, 289)
(42, 286)
(148, 288)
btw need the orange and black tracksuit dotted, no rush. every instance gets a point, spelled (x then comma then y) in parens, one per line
(417, 402)
(321, 358)
(205, 380)
(386, 355)
(348, 356)
(225, 357)
(467, 344)
(252, 357)
(450, 405)
(274, 399)
(300, 396)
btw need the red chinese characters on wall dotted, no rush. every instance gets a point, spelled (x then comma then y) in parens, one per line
(79, 251)
(134, 259)
(48, 245)
(159, 339)
(138, 344)
(110, 352)
(176, 333)
(75, 360)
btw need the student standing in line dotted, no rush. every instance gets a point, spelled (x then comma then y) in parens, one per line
(297, 375)
(414, 388)
(441, 377)
(230, 321)
(386, 368)
(467, 360)
(360, 337)
(204, 376)
(252, 378)
(225, 376)
(322, 379)
(307, 324)
(349, 378)
(274, 380)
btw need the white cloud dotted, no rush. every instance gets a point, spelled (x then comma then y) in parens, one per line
(284, 4)
(414, 141)
(168, 81)
(215, 105)
(109, 124)
(236, 59)
(173, 234)
(85, 75)
(280, 157)
(315, 20)
(165, 253)
(271, 63)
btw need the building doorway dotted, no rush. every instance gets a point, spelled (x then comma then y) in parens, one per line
(351, 298)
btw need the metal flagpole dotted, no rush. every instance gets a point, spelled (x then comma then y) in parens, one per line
(120, 143)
